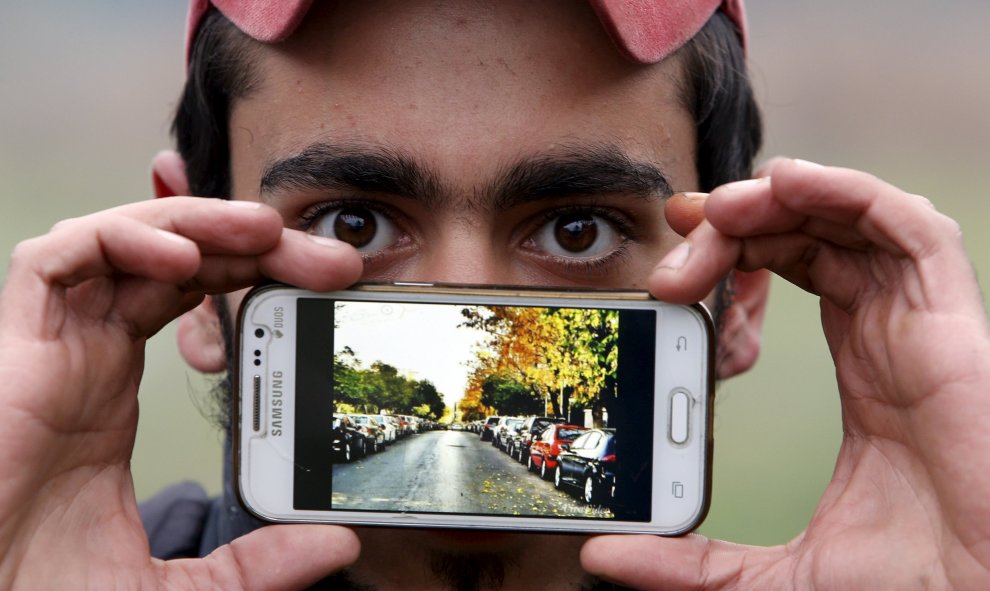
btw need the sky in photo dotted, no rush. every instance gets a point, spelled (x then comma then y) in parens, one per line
(422, 341)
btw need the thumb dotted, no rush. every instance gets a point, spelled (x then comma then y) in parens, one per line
(652, 563)
(273, 558)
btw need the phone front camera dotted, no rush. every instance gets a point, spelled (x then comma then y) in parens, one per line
(259, 333)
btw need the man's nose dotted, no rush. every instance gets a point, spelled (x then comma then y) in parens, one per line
(465, 258)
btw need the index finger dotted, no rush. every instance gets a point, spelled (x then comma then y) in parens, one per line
(797, 194)
(816, 227)
(160, 240)
(154, 251)
(685, 211)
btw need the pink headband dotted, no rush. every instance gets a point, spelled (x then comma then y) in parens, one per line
(645, 31)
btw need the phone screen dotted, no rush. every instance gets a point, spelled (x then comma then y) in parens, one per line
(589, 371)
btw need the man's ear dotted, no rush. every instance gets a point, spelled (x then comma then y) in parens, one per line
(742, 323)
(201, 339)
(168, 174)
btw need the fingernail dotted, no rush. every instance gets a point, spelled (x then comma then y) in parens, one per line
(808, 164)
(694, 197)
(172, 236)
(676, 258)
(746, 185)
(244, 204)
(324, 241)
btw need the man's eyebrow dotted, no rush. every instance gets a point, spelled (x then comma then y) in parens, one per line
(370, 169)
(584, 171)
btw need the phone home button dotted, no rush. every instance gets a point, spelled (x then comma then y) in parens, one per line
(680, 414)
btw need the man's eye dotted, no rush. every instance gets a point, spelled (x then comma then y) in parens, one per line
(363, 228)
(577, 235)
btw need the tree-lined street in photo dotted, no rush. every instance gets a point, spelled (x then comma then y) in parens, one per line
(474, 361)
(446, 363)
(453, 472)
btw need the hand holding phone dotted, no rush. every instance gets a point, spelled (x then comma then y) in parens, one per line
(375, 406)
(77, 308)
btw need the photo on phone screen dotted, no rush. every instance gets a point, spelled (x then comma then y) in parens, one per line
(481, 409)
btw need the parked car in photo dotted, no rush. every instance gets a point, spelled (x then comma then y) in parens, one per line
(390, 426)
(531, 429)
(505, 429)
(405, 428)
(413, 423)
(587, 464)
(544, 450)
(347, 443)
(509, 436)
(373, 432)
(487, 429)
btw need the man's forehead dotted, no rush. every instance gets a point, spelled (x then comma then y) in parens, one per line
(456, 67)
(458, 40)
(469, 91)
(645, 31)
(466, 138)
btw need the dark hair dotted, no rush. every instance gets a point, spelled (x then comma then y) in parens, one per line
(715, 87)
(220, 71)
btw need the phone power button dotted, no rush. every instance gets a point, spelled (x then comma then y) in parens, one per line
(680, 416)
(413, 284)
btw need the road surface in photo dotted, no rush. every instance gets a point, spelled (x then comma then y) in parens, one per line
(451, 472)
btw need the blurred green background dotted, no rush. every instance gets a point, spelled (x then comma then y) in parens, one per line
(896, 87)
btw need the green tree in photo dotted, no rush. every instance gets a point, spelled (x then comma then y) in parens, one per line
(382, 388)
(509, 395)
(560, 358)
(425, 394)
(348, 385)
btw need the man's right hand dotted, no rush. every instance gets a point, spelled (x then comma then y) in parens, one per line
(902, 314)
(78, 305)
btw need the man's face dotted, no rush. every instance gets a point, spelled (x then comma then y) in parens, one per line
(468, 144)
(507, 145)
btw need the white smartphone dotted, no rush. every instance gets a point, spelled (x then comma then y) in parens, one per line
(467, 407)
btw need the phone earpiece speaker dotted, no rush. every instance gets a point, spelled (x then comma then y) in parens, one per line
(257, 404)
